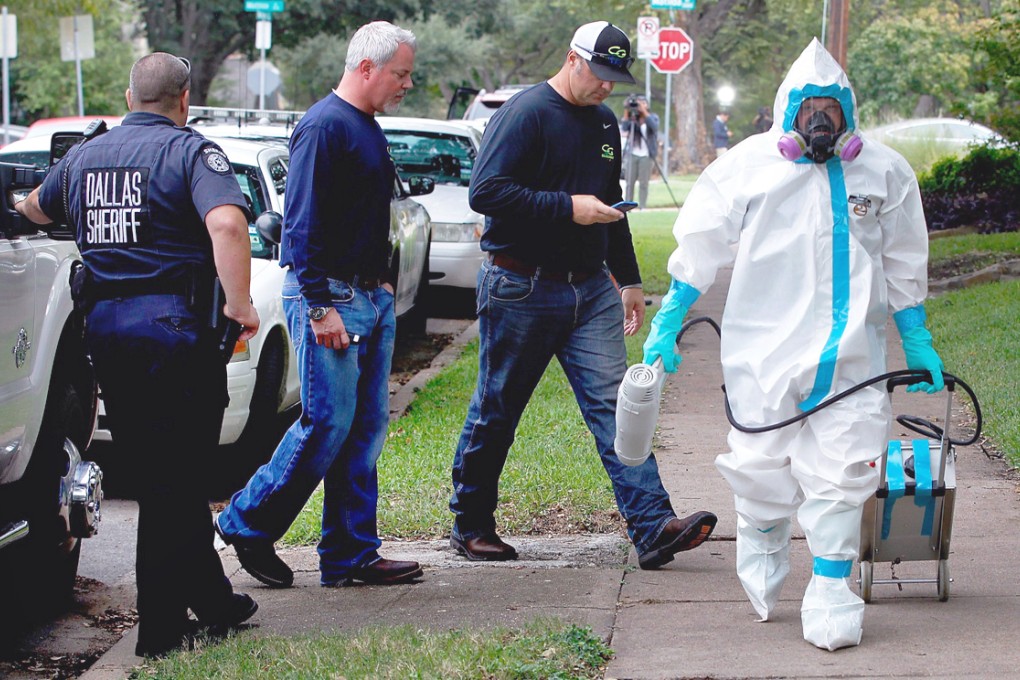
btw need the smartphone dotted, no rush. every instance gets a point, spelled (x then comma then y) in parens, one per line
(624, 206)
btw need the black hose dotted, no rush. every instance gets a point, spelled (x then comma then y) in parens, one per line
(901, 377)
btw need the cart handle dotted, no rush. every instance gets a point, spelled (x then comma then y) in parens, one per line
(926, 428)
(916, 377)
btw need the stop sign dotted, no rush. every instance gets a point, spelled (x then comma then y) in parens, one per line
(675, 50)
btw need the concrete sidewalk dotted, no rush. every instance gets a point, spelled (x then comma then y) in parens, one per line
(691, 619)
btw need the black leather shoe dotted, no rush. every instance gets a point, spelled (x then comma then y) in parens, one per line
(382, 572)
(485, 548)
(679, 535)
(260, 560)
(240, 608)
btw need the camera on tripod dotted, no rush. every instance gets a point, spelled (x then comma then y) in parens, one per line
(632, 103)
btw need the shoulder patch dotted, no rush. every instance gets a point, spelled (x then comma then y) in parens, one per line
(215, 160)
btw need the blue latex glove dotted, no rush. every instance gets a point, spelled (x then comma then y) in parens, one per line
(918, 348)
(661, 340)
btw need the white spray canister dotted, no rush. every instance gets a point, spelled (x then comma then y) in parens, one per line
(637, 412)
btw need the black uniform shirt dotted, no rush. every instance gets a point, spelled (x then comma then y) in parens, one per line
(538, 151)
(138, 197)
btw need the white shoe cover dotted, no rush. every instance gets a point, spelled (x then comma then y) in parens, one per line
(832, 615)
(763, 561)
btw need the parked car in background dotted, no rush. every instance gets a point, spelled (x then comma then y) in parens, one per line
(49, 498)
(45, 127)
(479, 105)
(446, 152)
(11, 133)
(954, 135)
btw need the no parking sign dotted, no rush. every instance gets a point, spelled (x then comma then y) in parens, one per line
(647, 37)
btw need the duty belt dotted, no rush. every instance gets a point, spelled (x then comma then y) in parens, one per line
(516, 266)
(106, 290)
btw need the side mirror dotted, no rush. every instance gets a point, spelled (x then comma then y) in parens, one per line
(269, 225)
(61, 143)
(419, 185)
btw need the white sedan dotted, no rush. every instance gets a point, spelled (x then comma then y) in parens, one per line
(446, 152)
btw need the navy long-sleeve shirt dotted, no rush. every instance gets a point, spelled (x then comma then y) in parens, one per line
(337, 207)
(537, 152)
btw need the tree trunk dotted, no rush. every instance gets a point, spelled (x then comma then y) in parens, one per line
(691, 142)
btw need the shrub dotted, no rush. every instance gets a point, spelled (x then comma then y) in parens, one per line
(981, 189)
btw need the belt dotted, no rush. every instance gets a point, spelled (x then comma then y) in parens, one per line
(105, 290)
(516, 266)
(360, 281)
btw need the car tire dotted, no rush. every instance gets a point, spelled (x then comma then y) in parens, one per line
(259, 437)
(47, 559)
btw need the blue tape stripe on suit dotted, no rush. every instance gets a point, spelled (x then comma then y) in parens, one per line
(922, 476)
(833, 568)
(840, 284)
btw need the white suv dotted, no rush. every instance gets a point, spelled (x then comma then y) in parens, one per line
(49, 498)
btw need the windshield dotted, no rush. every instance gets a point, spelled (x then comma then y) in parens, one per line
(446, 158)
(249, 179)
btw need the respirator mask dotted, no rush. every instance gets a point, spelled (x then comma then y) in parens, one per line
(819, 140)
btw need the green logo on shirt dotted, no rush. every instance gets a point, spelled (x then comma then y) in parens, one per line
(608, 152)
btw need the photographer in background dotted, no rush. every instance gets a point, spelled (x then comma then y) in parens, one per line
(640, 131)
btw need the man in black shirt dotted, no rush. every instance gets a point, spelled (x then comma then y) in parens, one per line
(546, 177)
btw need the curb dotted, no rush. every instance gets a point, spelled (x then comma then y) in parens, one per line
(1002, 271)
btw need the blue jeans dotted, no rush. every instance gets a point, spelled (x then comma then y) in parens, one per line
(338, 438)
(164, 388)
(523, 323)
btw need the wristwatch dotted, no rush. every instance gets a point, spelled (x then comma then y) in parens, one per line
(317, 313)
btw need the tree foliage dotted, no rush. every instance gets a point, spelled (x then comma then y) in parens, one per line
(912, 65)
(43, 86)
(1000, 40)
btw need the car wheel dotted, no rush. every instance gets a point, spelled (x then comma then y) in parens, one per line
(259, 438)
(48, 558)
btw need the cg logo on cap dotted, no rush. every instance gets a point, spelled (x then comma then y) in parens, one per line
(617, 51)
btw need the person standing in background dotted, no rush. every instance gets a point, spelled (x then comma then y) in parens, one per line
(721, 133)
(640, 129)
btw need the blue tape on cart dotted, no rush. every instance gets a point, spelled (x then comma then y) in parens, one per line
(922, 476)
(896, 481)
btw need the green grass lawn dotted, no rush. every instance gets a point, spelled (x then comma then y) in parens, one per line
(975, 332)
(954, 246)
(662, 194)
(544, 649)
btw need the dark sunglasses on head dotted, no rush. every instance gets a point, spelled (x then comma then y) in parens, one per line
(186, 63)
(611, 60)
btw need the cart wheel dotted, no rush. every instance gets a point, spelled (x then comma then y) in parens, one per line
(943, 580)
(867, 575)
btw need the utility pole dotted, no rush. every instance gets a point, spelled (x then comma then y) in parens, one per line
(838, 30)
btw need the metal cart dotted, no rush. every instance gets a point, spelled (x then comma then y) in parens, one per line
(910, 517)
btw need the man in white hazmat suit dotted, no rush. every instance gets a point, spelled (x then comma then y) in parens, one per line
(827, 237)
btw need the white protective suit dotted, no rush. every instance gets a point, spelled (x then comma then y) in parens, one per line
(822, 254)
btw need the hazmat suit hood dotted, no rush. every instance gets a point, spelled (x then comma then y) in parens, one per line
(815, 73)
